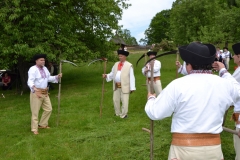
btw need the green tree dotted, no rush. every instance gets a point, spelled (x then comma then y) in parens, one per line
(65, 29)
(158, 28)
(189, 17)
(126, 35)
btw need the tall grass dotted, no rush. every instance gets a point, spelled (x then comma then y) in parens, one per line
(81, 133)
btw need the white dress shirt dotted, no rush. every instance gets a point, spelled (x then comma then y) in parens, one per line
(156, 69)
(196, 102)
(35, 78)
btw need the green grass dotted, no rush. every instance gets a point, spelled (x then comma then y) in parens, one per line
(81, 133)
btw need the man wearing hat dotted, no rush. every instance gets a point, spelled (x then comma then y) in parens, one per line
(123, 83)
(38, 78)
(236, 114)
(193, 102)
(146, 70)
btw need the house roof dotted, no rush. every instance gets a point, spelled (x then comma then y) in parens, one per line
(117, 40)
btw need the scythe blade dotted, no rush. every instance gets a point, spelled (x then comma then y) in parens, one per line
(160, 55)
(140, 58)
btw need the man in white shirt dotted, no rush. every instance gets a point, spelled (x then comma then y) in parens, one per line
(146, 70)
(226, 57)
(236, 114)
(38, 78)
(123, 83)
(193, 100)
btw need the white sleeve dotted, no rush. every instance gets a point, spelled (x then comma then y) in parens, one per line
(110, 75)
(162, 106)
(132, 80)
(31, 78)
(157, 66)
(234, 84)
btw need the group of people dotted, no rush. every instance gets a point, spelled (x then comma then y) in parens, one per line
(194, 101)
(223, 56)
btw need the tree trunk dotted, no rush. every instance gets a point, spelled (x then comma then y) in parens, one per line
(226, 44)
(23, 67)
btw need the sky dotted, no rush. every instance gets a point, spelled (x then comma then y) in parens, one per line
(137, 17)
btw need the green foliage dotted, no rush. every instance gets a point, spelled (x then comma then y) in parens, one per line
(167, 45)
(63, 29)
(158, 28)
(213, 21)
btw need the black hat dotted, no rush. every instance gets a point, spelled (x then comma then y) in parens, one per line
(37, 56)
(151, 53)
(225, 48)
(123, 52)
(197, 53)
(236, 48)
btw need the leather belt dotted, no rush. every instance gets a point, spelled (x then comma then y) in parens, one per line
(235, 117)
(118, 85)
(42, 91)
(195, 139)
(154, 79)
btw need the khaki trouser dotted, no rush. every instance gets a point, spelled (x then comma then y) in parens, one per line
(119, 97)
(195, 153)
(227, 62)
(35, 104)
(236, 141)
(157, 86)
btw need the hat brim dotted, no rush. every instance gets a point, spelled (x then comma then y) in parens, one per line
(122, 52)
(236, 48)
(37, 56)
(152, 53)
(196, 59)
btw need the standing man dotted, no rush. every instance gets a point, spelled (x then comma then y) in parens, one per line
(146, 70)
(123, 83)
(193, 100)
(226, 57)
(38, 78)
(236, 114)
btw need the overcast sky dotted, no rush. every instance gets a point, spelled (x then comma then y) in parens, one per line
(137, 17)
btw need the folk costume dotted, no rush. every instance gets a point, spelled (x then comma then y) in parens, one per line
(38, 78)
(193, 100)
(123, 83)
(146, 70)
(236, 114)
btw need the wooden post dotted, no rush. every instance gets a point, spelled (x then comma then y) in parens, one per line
(104, 72)
(151, 121)
(59, 91)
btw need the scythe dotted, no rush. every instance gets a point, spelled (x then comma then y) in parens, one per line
(104, 72)
(59, 87)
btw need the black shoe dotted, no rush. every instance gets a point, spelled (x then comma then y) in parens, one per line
(125, 116)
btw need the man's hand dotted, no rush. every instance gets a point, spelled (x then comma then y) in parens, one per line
(104, 76)
(59, 75)
(178, 64)
(150, 94)
(218, 66)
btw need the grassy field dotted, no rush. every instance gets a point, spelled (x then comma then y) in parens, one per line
(81, 133)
